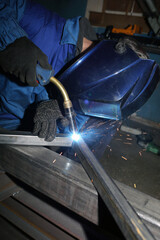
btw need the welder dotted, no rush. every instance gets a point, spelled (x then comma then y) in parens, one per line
(31, 35)
(109, 81)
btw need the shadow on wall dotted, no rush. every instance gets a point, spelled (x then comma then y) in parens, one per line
(150, 110)
(67, 9)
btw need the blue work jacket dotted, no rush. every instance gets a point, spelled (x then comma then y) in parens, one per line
(54, 35)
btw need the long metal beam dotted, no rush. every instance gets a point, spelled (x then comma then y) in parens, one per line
(30, 140)
(55, 176)
(128, 221)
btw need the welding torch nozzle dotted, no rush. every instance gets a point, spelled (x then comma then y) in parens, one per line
(69, 112)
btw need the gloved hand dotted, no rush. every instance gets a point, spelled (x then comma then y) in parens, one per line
(45, 119)
(20, 59)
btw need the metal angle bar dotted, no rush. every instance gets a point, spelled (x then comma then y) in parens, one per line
(30, 140)
(33, 224)
(21, 223)
(128, 221)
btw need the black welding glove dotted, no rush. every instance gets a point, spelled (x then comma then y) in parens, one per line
(45, 120)
(20, 59)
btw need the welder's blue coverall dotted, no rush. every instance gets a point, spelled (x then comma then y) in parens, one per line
(56, 37)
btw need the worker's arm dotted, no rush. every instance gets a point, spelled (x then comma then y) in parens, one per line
(86, 36)
(86, 44)
(11, 11)
(18, 55)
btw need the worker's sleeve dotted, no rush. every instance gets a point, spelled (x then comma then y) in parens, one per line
(70, 37)
(75, 30)
(11, 11)
(71, 31)
(41, 95)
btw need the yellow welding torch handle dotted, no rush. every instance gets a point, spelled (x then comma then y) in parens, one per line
(67, 102)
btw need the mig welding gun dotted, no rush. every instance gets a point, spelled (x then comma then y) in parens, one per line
(44, 76)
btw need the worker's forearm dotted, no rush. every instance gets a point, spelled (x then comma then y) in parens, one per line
(10, 13)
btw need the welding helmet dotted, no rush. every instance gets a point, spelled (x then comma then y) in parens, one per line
(107, 83)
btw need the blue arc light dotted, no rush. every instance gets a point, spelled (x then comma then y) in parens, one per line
(75, 137)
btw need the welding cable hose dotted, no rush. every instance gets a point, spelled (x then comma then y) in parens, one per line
(67, 104)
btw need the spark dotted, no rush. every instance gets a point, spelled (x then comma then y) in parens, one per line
(75, 154)
(61, 153)
(124, 158)
(91, 180)
(100, 124)
(134, 185)
(130, 139)
(90, 127)
(54, 160)
(129, 143)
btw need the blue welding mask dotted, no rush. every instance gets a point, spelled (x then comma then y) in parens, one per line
(106, 83)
